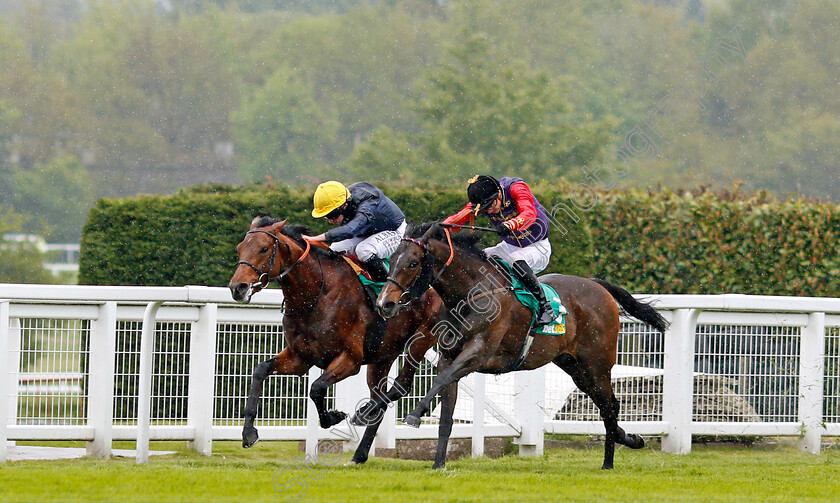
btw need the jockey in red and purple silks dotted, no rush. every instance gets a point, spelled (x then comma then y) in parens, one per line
(523, 224)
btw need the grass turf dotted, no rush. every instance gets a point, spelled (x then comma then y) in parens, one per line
(273, 471)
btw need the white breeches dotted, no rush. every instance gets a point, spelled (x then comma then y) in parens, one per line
(382, 244)
(536, 255)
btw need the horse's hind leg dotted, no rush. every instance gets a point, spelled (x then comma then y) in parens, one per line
(284, 363)
(378, 403)
(599, 389)
(630, 440)
(415, 351)
(377, 382)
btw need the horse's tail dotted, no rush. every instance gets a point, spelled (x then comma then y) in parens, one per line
(640, 310)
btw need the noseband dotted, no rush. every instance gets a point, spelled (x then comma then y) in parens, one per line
(411, 292)
(265, 276)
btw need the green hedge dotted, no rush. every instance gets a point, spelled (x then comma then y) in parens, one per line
(659, 242)
(190, 237)
(716, 243)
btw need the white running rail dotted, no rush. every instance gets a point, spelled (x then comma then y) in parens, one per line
(99, 363)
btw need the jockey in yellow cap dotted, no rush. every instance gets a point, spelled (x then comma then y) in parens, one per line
(369, 225)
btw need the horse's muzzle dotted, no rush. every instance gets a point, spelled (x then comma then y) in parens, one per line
(241, 292)
(387, 309)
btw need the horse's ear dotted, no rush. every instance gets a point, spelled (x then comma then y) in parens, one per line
(255, 221)
(434, 229)
(276, 228)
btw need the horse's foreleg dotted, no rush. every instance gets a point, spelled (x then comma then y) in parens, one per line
(401, 386)
(284, 363)
(415, 355)
(469, 360)
(448, 397)
(342, 367)
(377, 375)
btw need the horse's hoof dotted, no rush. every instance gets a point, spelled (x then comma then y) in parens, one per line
(412, 421)
(333, 418)
(438, 466)
(362, 420)
(250, 437)
(607, 466)
(635, 441)
(368, 417)
(365, 416)
(354, 461)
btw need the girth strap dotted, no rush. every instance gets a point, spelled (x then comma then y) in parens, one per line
(526, 348)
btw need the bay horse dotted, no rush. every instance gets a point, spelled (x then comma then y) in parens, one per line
(328, 323)
(492, 342)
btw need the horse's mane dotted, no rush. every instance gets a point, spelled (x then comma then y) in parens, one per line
(466, 241)
(295, 232)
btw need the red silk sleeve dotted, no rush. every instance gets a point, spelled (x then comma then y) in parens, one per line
(525, 204)
(460, 218)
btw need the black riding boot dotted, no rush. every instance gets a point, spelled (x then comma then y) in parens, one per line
(529, 279)
(376, 268)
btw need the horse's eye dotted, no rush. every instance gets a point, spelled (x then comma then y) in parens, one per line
(264, 250)
(412, 264)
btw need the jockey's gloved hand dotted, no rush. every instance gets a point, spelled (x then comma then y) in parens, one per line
(503, 230)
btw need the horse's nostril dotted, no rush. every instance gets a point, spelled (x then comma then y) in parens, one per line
(389, 308)
(239, 289)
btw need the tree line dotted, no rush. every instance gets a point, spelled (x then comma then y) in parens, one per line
(126, 96)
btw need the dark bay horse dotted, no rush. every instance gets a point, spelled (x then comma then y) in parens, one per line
(328, 317)
(488, 326)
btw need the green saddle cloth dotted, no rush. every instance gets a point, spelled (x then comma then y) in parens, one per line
(374, 285)
(558, 326)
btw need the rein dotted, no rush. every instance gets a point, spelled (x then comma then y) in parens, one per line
(265, 276)
(470, 227)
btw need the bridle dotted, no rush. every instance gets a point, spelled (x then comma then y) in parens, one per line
(264, 274)
(409, 293)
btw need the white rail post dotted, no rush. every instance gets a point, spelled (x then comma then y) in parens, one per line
(12, 358)
(529, 401)
(144, 388)
(5, 379)
(349, 394)
(478, 414)
(386, 437)
(678, 381)
(811, 375)
(202, 378)
(312, 424)
(103, 343)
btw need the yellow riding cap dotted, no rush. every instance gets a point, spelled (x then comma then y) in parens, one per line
(329, 196)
